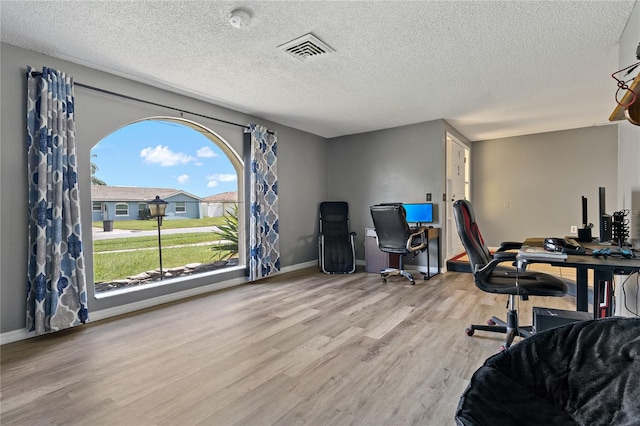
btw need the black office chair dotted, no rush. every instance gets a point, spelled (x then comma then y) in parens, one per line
(492, 278)
(336, 249)
(395, 236)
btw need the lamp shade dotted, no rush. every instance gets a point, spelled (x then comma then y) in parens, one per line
(157, 207)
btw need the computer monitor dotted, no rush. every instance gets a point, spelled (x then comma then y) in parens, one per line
(420, 213)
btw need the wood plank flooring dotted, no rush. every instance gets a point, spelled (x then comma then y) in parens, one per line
(298, 348)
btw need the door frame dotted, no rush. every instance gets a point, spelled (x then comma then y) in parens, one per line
(450, 226)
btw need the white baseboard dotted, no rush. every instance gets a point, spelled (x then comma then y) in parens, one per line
(16, 335)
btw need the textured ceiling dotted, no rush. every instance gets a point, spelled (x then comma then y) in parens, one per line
(491, 68)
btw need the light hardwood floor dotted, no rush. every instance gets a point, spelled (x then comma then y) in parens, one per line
(298, 348)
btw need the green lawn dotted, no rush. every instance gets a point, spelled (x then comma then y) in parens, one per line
(142, 254)
(152, 241)
(151, 224)
(114, 266)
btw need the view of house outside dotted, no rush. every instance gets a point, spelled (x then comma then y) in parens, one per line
(191, 174)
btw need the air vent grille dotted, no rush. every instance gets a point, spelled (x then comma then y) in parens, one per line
(306, 47)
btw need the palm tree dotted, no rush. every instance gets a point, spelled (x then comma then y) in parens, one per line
(95, 180)
(228, 235)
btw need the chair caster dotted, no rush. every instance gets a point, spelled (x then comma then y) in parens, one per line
(469, 331)
(413, 283)
(384, 280)
(491, 322)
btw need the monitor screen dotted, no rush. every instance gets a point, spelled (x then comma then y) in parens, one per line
(419, 212)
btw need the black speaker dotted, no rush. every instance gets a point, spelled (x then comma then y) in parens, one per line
(601, 201)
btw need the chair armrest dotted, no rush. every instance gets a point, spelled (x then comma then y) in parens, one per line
(424, 242)
(504, 256)
(498, 258)
(509, 245)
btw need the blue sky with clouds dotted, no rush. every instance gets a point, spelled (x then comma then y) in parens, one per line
(162, 154)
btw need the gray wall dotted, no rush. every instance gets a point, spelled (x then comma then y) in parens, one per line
(530, 186)
(629, 136)
(301, 188)
(399, 164)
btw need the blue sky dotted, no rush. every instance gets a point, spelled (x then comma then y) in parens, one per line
(162, 154)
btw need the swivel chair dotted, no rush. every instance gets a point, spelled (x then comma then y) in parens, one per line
(395, 236)
(492, 278)
(336, 249)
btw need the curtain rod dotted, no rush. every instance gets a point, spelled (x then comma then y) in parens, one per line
(108, 92)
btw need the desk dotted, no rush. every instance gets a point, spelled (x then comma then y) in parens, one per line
(376, 260)
(432, 234)
(603, 270)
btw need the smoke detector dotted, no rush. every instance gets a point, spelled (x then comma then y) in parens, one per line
(239, 18)
(306, 47)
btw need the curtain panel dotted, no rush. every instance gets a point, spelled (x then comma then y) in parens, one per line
(56, 287)
(264, 239)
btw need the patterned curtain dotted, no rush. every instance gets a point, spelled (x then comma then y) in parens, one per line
(56, 288)
(264, 239)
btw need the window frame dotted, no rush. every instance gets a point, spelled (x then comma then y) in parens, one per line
(181, 207)
(121, 204)
(100, 206)
(144, 208)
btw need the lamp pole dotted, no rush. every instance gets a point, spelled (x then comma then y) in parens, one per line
(157, 209)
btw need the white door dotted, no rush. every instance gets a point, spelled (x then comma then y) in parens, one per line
(458, 186)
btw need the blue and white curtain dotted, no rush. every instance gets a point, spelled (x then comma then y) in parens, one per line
(56, 288)
(264, 235)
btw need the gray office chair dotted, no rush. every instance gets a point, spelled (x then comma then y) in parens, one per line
(395, 236)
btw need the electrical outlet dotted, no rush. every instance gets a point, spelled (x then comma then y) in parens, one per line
(574, 229)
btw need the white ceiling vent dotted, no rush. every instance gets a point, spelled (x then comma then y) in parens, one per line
(306, 47)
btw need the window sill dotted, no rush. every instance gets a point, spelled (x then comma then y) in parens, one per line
(165, 282)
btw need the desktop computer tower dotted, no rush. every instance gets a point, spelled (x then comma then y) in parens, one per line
(605, 219)
(547, 318)
(605, 228)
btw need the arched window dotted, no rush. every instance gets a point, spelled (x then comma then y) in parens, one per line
(192, 169)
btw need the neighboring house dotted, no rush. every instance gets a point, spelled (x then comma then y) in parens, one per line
(126, 202)
(217, 205)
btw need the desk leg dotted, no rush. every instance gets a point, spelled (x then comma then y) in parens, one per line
(582, 290)
(428, 275)
(438, 251)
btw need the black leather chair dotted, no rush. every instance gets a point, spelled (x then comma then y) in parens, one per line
(336, 249)
(395, 236)
(492, 278)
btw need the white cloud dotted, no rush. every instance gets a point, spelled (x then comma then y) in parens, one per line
(215, 179)
(223, 177)
(206, 152)
(163, 156)
(183, 179)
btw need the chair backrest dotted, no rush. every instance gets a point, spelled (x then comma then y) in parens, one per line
(470, 234)
(334, 219)
(391, 226)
